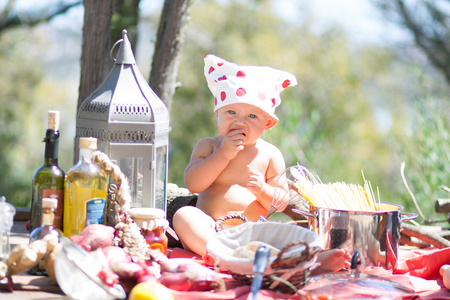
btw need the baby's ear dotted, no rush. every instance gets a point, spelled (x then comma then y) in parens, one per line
(270, 123)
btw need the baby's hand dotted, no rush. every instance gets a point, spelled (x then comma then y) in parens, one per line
(256, 181)
(232, 143)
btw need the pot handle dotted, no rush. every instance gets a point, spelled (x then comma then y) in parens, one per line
(408, 216)
(304, 213)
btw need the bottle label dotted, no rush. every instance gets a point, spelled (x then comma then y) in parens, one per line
(95, 211)
(56, 194)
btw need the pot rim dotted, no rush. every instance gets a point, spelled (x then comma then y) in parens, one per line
(395, 208)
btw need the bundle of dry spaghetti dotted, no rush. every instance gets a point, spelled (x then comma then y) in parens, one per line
(337, 195)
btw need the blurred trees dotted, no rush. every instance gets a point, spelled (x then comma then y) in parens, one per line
(428, 22)
(18, 85)
(425, 149)
(10, 18)
(425, 145)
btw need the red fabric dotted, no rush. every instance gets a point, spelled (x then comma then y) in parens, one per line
(181, 253)
(239, 293)
(424, 263)
(416, 269)
(433, 295)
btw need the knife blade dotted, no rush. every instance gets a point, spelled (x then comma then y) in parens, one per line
(259, 267)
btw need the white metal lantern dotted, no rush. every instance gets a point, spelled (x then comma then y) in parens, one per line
(131, 124)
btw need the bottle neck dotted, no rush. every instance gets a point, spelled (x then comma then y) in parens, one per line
(86, 155)
(48, 217)
(51, 146)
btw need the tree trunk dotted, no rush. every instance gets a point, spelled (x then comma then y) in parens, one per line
(169, 42)
(95, 55)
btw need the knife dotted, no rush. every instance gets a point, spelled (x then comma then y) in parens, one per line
(259, 267)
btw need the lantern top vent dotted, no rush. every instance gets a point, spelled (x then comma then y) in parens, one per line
(124, 96)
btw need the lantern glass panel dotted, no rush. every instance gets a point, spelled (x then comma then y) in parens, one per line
(137, 163)
(161, 175)
(133, 168)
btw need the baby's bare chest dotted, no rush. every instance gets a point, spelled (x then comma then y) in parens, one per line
(237, 171)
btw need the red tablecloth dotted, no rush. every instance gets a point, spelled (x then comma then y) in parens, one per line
(428, 288)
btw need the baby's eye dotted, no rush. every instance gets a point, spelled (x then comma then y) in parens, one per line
(252, 116)
(231, 112)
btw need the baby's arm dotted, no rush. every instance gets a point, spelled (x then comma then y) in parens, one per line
(264, 187)
(204, 167)
(208, 160)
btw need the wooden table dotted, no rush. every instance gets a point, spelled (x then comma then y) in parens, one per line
(28, 286)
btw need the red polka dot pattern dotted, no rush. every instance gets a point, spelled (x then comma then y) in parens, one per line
(254, 85)
(240, 92)
(240, 73)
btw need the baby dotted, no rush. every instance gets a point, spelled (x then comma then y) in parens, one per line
(235, 171)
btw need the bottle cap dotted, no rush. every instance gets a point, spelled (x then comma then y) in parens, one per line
(148, 217)
(147, 213)
(88, 143)
(49, 203)
(53, 119)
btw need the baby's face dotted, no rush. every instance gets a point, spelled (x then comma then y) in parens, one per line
(248, 118)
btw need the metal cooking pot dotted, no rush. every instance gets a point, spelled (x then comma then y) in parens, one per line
(375, 235)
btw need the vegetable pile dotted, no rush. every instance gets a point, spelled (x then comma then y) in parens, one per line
(129, 270)
(120, 267)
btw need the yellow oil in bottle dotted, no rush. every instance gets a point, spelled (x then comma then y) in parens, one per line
(85, 192)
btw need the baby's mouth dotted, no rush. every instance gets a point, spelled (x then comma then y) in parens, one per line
(243, 133)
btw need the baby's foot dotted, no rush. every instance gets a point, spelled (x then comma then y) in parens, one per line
(332, 260)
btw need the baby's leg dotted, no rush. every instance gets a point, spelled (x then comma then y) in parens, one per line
(332, 260)
(194, 228)
(254, 211)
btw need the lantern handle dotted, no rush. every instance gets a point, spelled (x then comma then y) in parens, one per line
(112, 49)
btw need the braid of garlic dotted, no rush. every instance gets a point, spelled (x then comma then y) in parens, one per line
(129, 237)
(128, 234)
(122, 193)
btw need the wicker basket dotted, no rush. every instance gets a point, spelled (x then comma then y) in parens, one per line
(287, 271)
(220, 222)
(288, 275)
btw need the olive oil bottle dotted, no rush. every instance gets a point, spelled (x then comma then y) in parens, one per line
(85, 191)
(48, 180)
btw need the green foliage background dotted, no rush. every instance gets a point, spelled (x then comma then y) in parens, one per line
(356, 108)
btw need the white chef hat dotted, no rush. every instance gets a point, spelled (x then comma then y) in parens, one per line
(256, 85)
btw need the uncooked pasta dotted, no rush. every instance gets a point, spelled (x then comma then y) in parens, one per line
(336, 195)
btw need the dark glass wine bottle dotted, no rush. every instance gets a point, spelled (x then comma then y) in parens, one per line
(48, 180)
